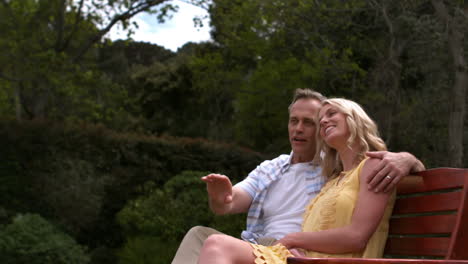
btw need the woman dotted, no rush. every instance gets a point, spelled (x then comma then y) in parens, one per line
(346, 219)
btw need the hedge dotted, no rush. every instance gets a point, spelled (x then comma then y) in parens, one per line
(80, 176)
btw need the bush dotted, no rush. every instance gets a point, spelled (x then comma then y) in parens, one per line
(83, 189)
(166, 214)
(31, 239)
(80, 176)
(145, 249)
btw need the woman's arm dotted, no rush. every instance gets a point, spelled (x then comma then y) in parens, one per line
(369, 209)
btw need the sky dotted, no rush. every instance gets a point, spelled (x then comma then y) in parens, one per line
(173, 33)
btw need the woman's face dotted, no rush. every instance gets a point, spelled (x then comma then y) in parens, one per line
(333, 127)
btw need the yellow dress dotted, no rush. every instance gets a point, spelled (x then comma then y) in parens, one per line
(333, 207)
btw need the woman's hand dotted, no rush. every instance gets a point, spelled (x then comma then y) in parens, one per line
(297, 252)
(290, 240)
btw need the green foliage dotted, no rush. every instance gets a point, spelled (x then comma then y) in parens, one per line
(31, 239)
(391, 56)
(50, 57)
(170, 211)
(83, 187)
(264, 111)
(6, 102)
(374, 52)
(146, 249)
(274, 47)
(81, 176)
(162, 216)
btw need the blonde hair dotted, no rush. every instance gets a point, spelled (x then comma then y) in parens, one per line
(363, 131)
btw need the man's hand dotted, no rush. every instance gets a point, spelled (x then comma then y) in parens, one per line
(391, 169)
(219, 190)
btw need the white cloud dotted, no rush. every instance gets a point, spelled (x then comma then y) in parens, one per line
(173, 33)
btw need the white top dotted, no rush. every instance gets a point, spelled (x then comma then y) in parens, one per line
(259, 181)
(285, 202)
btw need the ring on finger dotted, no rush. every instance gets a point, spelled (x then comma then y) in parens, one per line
(388, 177)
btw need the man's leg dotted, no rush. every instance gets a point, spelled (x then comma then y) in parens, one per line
(189, 249)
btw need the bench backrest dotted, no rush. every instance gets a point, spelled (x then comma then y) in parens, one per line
(430, 217)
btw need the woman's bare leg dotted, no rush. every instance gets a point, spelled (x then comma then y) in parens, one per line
(224, 249)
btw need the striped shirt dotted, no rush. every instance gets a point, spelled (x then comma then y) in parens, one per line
(257, 183)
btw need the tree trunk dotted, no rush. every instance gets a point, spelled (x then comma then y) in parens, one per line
(457, 109)
(387, 75)
(18, 106)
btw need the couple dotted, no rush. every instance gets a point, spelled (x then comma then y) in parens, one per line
(347, 218)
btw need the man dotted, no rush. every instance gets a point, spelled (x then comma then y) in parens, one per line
(276, 192)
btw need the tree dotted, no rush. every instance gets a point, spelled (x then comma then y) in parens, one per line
(388, 55)
(410, 78)
(47, 44)
(275, 47)
(454, 17)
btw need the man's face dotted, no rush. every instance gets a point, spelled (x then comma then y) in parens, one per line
(301, 128)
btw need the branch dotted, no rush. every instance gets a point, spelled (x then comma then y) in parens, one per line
(454, 37)
(392, 57)
(23, 100)
(132, 11)
(388, 21)
(7, 7)
(203, 4)
(441, 11)
(8, 78)
(60, 26)
(75, 25)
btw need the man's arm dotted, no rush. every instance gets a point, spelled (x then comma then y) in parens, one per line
(223, 198)
(391, 169)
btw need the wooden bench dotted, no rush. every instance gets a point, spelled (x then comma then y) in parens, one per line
(429, 223)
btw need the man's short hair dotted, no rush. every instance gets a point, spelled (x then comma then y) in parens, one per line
(306, 93)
